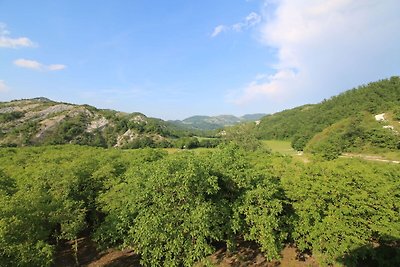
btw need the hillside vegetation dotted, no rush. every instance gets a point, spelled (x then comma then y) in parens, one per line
(216, 122)
(41, 121)
(343, 123)
(301, 124)
(357, 134)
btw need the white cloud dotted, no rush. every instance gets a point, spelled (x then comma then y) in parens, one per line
(9, 42)
(55, 67)
(219, 29)
(270, 86)
(251, 20)
(324, 47)
(32, 64)
(29, 64)
(3, 87)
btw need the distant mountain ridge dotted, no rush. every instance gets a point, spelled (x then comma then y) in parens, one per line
(216, 122)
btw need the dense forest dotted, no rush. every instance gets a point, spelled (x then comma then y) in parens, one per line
(172, 209)
(301, 124)
(360, 134)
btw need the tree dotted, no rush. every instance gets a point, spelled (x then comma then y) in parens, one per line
(164, 210)
(341, 206)
(244, 136)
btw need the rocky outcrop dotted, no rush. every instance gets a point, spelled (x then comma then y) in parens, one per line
(98, 124)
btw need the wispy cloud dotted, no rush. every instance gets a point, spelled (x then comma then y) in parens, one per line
(219, 29)
(55, 67)
(9, 42)
(34, 65)
(325, 46)
(29, 64)
(3, 87)
(249, 21)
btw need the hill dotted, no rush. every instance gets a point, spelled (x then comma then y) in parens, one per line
(357, 134)
(42, 121)
(302, 123)
(215, 122)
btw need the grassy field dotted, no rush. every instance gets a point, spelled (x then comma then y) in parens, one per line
(280, 146)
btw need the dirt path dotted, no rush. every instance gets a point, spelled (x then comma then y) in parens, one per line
(369, 157)
(89, 256)
(247, 254)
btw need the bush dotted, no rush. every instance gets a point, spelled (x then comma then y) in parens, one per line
(343, 206)
(165, 211)
(7, 117)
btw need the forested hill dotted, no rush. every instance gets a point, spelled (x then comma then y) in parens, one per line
(40, 121)
(303, 122)
(216, 122)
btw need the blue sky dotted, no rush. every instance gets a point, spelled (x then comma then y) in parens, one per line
(174, 59)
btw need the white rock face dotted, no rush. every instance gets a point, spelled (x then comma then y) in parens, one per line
(388, 127)
(17, 108)
(97, 124)
(55, 109)
(128, 136)
(139, 119)
(380, 117)
(8, 109)
(48, 124)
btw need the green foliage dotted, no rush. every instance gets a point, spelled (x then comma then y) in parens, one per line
(48, 194)
(195, 142)
(7, 184)
(215, 122)
(302, 123)
(163, 210)
(70, 130)
(342, 206)
(352, 135)
(259, 216)
(62, 123)
(95, 138)
(140, 143)
(7, 117)
(187, 143)
(172, 208)
(396, 113)
(209, 142)
(27, 131)
(299, 141)
(243, 135)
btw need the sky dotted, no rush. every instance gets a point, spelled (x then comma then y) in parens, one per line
(178, 58)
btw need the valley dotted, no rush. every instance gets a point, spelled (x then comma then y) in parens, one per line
(316, 185)
(251, 133)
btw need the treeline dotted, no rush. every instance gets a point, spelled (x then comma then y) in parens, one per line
(172, 208)
(301, 124)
